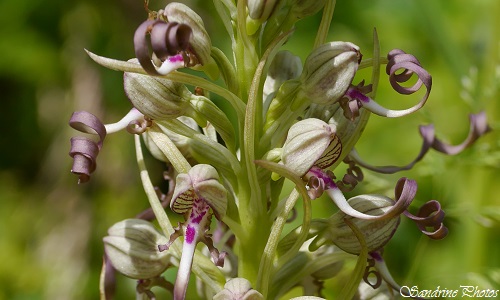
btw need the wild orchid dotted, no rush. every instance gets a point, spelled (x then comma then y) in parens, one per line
(295, 122)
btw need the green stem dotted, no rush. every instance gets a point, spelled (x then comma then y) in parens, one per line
(265, 270)
(375, 64)
(245, 52)
(178, 161)
(302, 237)
(154, 202)
(366, 63)
(267, 267)
(227, 70)
(324, 26)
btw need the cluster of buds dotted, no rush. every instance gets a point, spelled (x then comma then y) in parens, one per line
(294, 121)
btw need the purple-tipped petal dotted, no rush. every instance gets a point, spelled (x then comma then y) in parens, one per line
(168, 39)
(88, 123)
(398, 60)
(84, 151)
(141, 46)
(430, 215)
(478, 127)
(405, 192)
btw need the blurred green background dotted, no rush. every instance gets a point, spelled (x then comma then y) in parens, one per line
(51, 228)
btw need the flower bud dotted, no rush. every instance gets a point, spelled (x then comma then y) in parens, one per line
(310, 142)
(201, 182)
(238, 289)
(329, 71)
(261, 9)
(304, 8)
(258, 13)
(377, 233)
(284, 66)
(132, 248)
(201, 45)
(155, 97)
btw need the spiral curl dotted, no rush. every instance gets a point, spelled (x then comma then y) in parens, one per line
(167, 39)
(83, 150)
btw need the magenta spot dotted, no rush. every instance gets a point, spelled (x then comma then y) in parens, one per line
(176, 58)
(190, 232)
(320, 174)
(355, 94)
(197, 219)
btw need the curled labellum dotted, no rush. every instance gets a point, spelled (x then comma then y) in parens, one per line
(84, 151)
(200, 44)
(430, 215)
(478, 127)
(167, 40)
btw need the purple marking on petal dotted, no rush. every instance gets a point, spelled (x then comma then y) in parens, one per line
(198, 211)
(376, 256)
(197, 219)
(320, 174)
(355, 94)
(176, 58)
(190, 233)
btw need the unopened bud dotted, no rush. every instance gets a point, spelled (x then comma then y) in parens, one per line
(284, 66)
(155, 97)
(329, 71)
(258, 13)
(310, 142)
(305, 8)
(261, 9)
(238, 289)
(200, 43)
(132, 248)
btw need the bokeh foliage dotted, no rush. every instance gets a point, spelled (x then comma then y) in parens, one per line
(51, 228)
